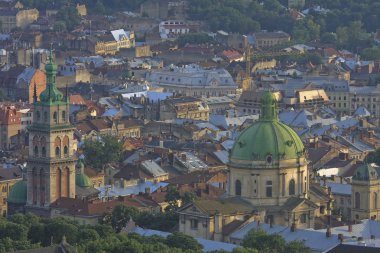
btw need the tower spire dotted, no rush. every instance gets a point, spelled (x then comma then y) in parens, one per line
(268, 107)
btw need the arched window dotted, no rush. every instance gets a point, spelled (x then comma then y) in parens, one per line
(34, 183)
(45, 116)
(357, 200)
(65, 151)
(43, 152)
(64, 116)
(292, 187)
(55, 117)
(237, 188)
(38, 115)
(375, 200)
(57, 152)
(35, 151)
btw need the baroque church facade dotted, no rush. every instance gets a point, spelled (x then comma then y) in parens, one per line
(268, 181)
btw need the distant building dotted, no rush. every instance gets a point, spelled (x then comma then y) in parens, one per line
(8, 178)
(82, 10)
(173, 28)
(10, 122)
(13, 18)
(18, 83)
(184, 108)
(192, 80)
(270, 39)
(110, 44)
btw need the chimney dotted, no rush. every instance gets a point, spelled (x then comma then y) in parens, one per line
(293, 227)
(340, 238)
(350, 228)
(147, 190)
(328, 232)
(183, 156)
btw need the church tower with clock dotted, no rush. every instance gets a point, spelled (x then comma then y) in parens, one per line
(51, 163)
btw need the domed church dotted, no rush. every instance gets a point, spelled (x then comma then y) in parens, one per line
(268, 180)
(268, 168)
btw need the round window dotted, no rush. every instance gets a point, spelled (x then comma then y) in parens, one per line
(269, 159)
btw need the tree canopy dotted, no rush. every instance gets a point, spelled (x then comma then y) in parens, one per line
(100, 152)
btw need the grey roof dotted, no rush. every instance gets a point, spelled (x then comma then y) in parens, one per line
(153, 168)
(191, 75)
(27, 75)
(342, 189)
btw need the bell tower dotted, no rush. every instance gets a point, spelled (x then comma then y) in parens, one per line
(51, 161)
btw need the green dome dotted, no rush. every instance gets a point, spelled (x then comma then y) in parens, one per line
(18, 193)
(267, 139)
(365, 173)
(80, 165)
(51, 93)
(82, 180)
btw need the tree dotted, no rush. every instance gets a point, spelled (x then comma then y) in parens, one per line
(70, 16)
(100, 152)
(172, 197)
(373, 157)
(182, 241)
(258, 239)
(120, 217)
(296, 247)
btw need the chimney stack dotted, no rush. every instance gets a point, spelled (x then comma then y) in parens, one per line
(293, 227)
(350, 228)
(340, 238)
(328, 232)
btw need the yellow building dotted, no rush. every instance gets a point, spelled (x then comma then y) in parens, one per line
(8, 177)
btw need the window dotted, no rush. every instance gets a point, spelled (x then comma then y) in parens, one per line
(303, 218)
(375, 200)
(55, 117)
(194, 224)
(238, 188)
(63, 116)
(342, 201)
(357, 200)
(43, 152)
(65, 150)
(292, 187)
(35, 151)
(38, 115)
(269, 189)
(45, 116)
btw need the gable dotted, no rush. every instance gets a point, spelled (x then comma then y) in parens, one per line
(192, 209)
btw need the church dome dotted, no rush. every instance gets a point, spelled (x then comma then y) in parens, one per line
(365, 173)
(18, 193)
(267, 140)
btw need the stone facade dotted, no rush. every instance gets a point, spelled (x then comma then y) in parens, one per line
(365, 194)
(51, 163)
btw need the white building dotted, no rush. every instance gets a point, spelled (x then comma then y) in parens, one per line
(192, 80)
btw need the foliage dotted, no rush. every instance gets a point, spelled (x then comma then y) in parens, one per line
(69, 16)
(100, 152)
(264, 243)
(301, 59)
(194, 38)
(371, 54)
(157, 221)
(182, 241)
(120, 217)
(373, 157)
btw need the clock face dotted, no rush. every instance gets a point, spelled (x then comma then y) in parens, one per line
(214, 83)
